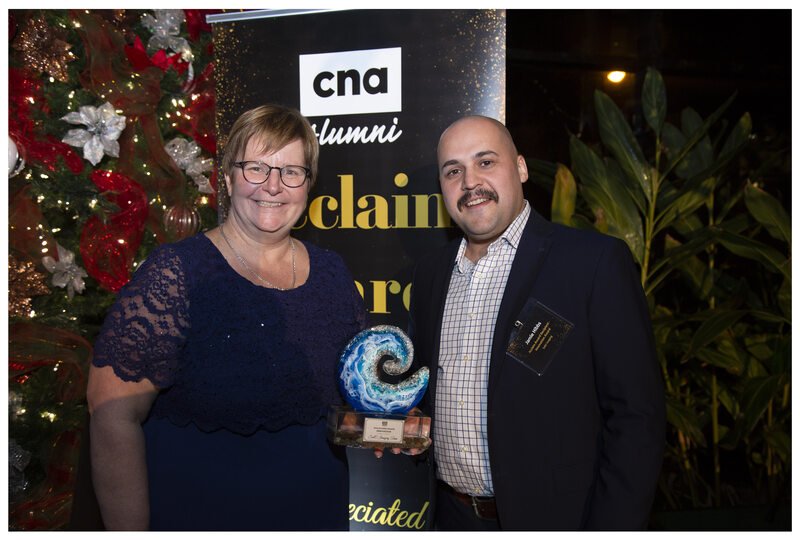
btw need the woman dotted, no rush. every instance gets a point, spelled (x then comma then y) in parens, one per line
(214, 369)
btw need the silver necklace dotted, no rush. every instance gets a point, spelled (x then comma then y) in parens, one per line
(253, 272)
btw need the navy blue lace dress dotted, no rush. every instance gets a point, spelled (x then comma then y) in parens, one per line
(236, 438)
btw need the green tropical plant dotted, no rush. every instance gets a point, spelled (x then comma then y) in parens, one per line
(713, 248)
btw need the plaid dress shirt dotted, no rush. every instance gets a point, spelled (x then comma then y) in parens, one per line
(473, 299)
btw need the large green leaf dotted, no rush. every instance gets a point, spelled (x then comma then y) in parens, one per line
(702, 153)
(728, 401)
(738, 137)
(654, 100)
(689, 226)
(725, 358)
(674, 140)
(667, 194)
(685, 420)
(693, 269)
(768, 211)
(754, 399)
(602, 192)
(770, 316)
(771, 258)
(673, 258)
(618, 138)
(780, 442)
(760, 346)
(564, 193)
(757, 394)
(697, 136)
(683, 206)
(718, 322)
(616, 175)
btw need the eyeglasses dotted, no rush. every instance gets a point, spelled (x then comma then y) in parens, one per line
(255, 172)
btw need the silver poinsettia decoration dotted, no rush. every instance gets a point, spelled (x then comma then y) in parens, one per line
(186, 155)
(65, 272)
(165, 26)
(103, 128)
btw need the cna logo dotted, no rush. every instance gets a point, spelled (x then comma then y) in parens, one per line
(352, 82)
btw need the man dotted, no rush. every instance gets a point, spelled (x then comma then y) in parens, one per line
(546, 397)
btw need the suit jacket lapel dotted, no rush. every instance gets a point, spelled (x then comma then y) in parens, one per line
(531, 254)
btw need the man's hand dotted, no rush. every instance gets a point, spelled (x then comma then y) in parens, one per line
(415, 425)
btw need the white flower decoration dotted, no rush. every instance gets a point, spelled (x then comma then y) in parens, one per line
(186, 155)
(65, 272)
(103, 128)
(165, 26)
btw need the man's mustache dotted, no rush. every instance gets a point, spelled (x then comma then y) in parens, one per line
(479, 193)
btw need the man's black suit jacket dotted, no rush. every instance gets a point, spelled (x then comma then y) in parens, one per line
(579, 447)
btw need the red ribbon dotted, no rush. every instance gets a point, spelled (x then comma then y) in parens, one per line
(196, 21)
(197, 118)
(33, 345)
(138, 58)
(108, 248)
(106, 75)
(24, 98)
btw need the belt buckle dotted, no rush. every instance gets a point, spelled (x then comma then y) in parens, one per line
(475, 500)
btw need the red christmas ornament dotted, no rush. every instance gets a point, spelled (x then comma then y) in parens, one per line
(108, 248)
(181, 221)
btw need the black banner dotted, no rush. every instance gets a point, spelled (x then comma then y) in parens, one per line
(378, 86)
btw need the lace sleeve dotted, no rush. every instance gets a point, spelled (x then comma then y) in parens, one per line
(146, 327)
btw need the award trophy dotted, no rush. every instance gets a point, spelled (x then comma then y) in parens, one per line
(378, 415)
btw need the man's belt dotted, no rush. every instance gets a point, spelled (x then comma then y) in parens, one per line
(484, 507)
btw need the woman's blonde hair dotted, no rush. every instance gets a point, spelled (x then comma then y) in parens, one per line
(274, 126)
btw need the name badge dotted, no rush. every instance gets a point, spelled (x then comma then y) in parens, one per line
(538, 336)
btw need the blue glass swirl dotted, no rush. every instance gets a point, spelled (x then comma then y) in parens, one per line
(359, 378)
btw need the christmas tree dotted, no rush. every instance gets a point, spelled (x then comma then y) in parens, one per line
(111, 148)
